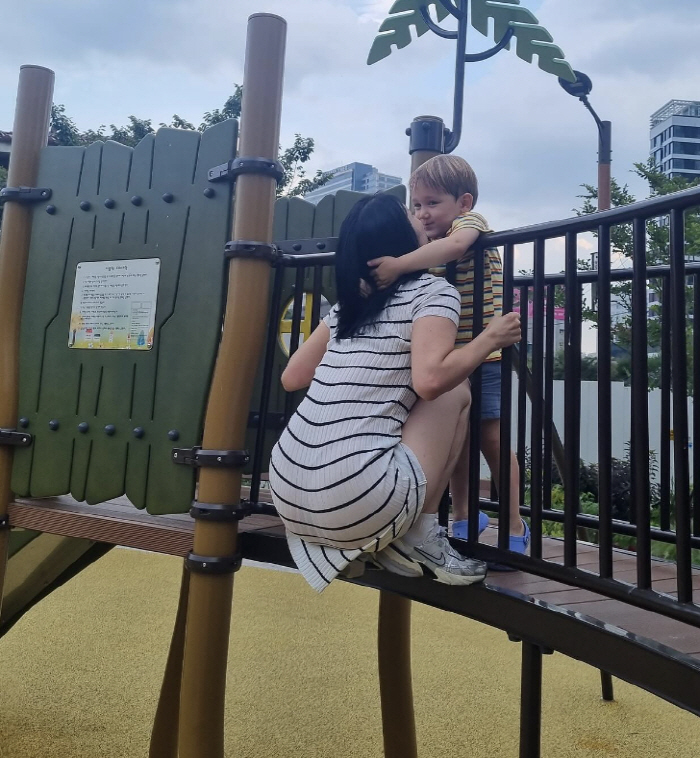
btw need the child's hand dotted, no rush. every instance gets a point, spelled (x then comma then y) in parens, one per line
(505, 330)
(385, 271)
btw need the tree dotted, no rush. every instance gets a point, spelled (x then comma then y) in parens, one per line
(294, 182)
(657, 253)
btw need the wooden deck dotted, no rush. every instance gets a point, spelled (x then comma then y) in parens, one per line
(117, 522)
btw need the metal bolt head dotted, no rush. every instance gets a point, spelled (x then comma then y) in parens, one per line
(138, 432)
(110, 429)
(24, 422)
(83, 427)
(85, 205)
(173, 435)
(296, 247)
(109, 203)
(51, 209)
(209, 192)
(168, 197)
(218, 458)
(136, 200)
(53, 424)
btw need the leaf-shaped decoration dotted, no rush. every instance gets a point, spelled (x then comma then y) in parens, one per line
(531, 38)
(396, 30)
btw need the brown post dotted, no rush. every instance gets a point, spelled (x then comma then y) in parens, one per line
(29, 135)
(201, 733)
(394, 627)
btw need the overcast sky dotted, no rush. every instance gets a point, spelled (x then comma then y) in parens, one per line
(531, 144)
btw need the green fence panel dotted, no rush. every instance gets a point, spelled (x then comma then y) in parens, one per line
(105, 421)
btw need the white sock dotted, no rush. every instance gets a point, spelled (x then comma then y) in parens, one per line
(421, 529)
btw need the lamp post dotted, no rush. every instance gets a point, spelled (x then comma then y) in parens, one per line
(581, 88)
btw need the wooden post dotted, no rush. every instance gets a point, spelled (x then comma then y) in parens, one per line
(29, 135)
(394, 625)
(208, 617)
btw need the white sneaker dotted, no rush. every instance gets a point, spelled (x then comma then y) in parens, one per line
(396, 558)
(448, 566)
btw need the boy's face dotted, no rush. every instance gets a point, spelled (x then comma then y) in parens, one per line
(437, 209)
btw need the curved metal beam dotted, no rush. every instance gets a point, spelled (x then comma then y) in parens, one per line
(505, 40)
(444, 33)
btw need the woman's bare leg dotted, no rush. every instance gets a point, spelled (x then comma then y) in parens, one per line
(435, 432)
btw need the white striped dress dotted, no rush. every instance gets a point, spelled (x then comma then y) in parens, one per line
(341, 479)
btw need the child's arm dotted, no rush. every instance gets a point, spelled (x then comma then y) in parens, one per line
(387, 270)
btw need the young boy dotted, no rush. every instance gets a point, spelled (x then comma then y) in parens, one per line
(444, 190)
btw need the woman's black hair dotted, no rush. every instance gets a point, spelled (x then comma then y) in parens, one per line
(376, 226)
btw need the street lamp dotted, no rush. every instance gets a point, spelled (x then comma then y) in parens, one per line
(581, 88)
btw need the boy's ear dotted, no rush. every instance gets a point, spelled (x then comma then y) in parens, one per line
(466, 202)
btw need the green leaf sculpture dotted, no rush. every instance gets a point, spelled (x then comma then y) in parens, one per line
(531, 38)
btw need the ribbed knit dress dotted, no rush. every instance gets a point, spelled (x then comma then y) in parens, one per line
(341, 479)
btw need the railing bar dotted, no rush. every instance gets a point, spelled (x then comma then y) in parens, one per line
(522, 391)
(613, 588)
(475, 412)
(696, 401)
(604, 405)
(266, 386)
(317, 294)
(640, 406)
(680, 408)
(504, 479)
(537, 400)
(617, 275)
(641, 211)
(295, 331)
(572, 392)
(665, 426)
(548, 398)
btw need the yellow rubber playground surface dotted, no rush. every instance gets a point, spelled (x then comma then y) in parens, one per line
(80, 676)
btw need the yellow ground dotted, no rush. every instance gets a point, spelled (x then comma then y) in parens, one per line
(80, 673)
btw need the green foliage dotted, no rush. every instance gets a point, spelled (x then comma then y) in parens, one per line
(294, 182)
(657, 250)
(231, 109)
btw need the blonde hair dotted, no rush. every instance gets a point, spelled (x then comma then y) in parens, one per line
(447, 173)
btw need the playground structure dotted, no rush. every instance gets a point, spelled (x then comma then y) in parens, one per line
(100, 423)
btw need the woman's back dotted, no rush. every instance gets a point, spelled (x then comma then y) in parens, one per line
(337, 447)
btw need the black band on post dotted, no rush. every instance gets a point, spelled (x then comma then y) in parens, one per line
(251, 249)
(220, 512)
(195, 456)
(216, 565)
(24, 195)
(239, 166)
(13, 438)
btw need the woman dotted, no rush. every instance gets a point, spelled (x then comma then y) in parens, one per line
(359, 471)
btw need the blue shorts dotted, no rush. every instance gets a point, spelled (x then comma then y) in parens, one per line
(490, 390)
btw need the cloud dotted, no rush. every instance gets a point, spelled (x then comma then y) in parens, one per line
(531, 144)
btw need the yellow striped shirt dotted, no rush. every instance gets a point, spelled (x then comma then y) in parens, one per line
(493, 281)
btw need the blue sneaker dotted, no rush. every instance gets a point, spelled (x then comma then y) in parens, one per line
(520, 544)
(460, 528)
(516, 545)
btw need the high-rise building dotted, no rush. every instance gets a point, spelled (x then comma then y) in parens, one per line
(358, 177)
(675, 139)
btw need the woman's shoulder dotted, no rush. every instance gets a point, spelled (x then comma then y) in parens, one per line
(428, 285)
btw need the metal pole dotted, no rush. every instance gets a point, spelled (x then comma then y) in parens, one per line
(201, 733)
(29, 136)
(395, 685)
(604, 160)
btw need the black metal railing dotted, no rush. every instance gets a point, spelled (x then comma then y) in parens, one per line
(679, 515)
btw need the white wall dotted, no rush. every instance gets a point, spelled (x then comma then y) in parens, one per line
(621, 421)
